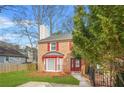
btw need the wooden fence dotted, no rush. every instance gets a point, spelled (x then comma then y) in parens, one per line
(16, 67)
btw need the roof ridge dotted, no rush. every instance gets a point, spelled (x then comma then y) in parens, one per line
(62, 36)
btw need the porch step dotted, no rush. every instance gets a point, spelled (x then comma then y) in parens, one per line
(76, 72)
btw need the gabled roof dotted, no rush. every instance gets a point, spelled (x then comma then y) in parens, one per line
(7, 51)
(57, 37)
(5, 44)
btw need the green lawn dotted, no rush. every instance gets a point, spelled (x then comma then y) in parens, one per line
(12, 79)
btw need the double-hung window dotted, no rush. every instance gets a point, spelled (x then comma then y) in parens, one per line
(53, 46)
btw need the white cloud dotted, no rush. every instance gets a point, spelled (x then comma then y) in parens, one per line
(9, 37)
(2, 38)
(5, 22)
(14, 38)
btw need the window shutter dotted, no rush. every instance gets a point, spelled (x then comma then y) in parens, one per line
(48, 47)
(57, 46)
(70, 45)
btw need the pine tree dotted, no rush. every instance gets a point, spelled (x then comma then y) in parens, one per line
(102, 40)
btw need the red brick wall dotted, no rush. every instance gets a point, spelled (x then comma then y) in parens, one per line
(64, 48)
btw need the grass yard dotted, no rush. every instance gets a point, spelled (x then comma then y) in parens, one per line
(13, 79)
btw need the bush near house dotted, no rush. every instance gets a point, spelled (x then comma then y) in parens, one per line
(13, 79)
(32, 67)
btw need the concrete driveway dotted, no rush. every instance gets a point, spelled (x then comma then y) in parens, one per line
(46, 84)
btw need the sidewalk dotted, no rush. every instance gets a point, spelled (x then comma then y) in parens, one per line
(45, 84)
(83, 81)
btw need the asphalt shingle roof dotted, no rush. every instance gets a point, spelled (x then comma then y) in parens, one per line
(7, 49)
(57, 37)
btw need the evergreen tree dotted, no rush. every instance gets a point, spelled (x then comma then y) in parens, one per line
(102, 40)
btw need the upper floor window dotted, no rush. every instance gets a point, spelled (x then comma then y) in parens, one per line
(53, 46)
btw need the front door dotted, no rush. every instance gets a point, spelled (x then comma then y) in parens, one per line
(75, 64)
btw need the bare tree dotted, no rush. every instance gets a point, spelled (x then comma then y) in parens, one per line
(25, 26)
(68, 24)
(38, 12)
(50, 15)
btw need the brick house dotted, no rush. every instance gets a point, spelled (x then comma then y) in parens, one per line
(55, 55)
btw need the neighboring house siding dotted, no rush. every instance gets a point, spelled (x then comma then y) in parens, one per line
(14, 60)
(2, 59)
(17, 60)
(63, 47)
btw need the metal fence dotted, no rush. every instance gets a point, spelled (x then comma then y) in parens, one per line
(104, 79)
(112, 78)
(16, 67)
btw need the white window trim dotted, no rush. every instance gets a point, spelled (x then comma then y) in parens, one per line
(47, 67)
(54, 66)
(61, 65)
(51, 47)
